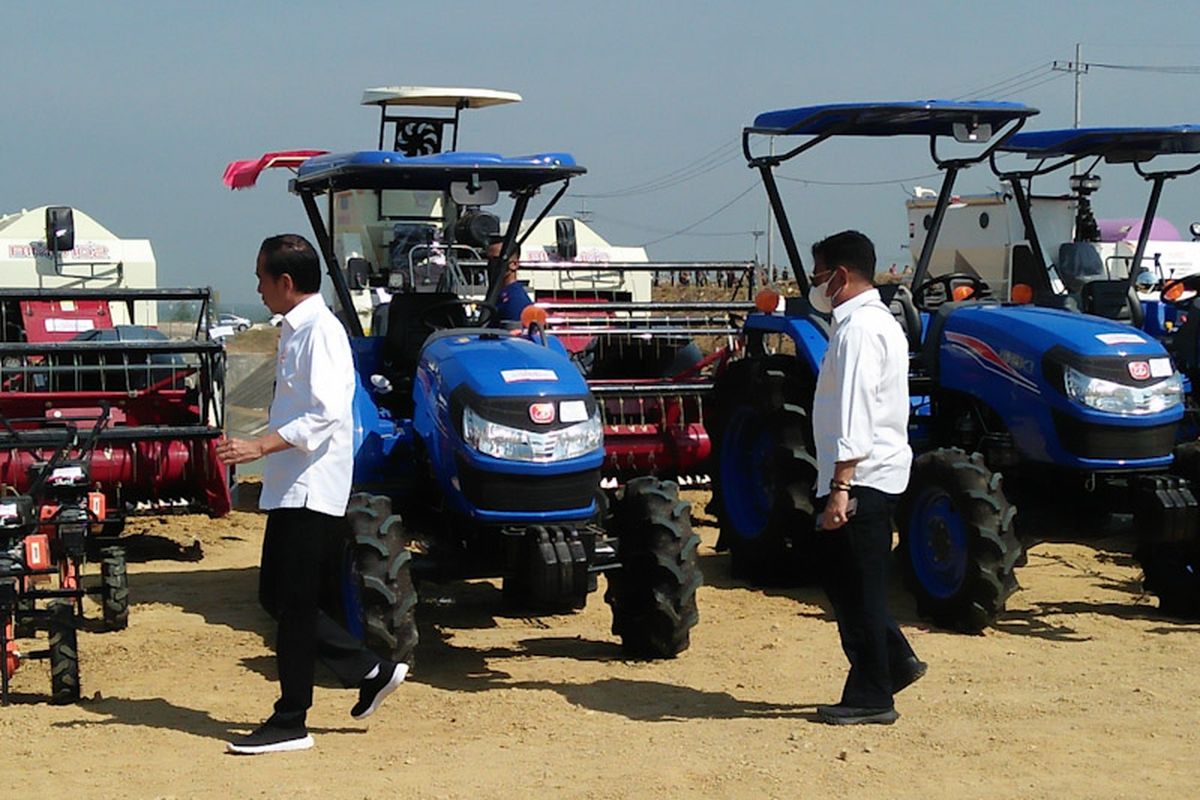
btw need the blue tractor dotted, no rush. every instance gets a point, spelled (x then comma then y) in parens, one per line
(479, 446)
(997, 390)
(1142, 292)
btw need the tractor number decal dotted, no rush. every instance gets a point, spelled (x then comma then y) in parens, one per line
(989, 359)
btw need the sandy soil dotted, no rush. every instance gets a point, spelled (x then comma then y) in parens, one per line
(1083, 690)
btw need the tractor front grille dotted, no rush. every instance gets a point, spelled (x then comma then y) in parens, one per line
(1113, 442)
(495, 491)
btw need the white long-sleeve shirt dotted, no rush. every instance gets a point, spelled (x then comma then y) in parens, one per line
(860, 411)
(312, 411)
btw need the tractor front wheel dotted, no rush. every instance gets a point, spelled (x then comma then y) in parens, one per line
(378, 597)
(653, 593)
(957, 550)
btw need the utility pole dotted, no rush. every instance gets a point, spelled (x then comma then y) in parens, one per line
(770, 222)
(1079, 68)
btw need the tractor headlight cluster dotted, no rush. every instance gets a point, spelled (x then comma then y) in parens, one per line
(516, 444)
(1117, 398)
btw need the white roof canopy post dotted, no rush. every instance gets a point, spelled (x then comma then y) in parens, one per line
(422, 135)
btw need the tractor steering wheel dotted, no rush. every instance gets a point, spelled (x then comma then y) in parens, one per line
(486, 313)
(979, 288)
(1180, 292)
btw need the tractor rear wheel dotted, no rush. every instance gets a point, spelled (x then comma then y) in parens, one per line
(114, 584)
(379, 599)
(765, 469)
(958, 550)
(653, 593)
(64, 653)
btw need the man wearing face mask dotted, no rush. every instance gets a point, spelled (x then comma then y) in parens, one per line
(860, 427)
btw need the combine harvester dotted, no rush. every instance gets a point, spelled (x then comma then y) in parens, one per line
(101, 415)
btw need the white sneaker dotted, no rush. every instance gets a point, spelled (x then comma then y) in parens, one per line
(373, 690)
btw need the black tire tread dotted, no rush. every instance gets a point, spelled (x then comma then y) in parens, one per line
(653, 594)
(64, 653)
(774, 387)
(383, 563)
(978, 496)
(114, 596)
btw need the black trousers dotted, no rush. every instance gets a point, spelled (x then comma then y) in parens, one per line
(856, 558)
(298, 585)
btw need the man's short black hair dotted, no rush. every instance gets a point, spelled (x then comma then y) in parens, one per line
(849, 249)
(290, 254)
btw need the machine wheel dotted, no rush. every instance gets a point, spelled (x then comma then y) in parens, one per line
(64, 653)
(23, 624)
(765, 469)
(379, 600)
(1171, 571)
(114, 584)
(653, 594)
(958, 549)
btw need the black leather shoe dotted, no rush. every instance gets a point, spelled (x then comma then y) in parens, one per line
(849, 715)
(908, 673)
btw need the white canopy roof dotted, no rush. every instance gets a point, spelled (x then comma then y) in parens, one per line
(436, 96)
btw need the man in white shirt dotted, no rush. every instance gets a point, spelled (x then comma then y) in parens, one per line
(306, 487)
(860, 428)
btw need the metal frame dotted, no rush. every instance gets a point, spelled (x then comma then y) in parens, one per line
(1111, 152)
(767, 163)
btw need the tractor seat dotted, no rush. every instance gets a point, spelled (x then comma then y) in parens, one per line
(406, 329)
(899, 301)
(1112, 299)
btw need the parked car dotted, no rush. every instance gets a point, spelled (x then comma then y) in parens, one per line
(238, 323)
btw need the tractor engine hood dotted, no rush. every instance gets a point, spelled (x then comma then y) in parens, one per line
(496, 364)
(1106, 392)
(1031, 332)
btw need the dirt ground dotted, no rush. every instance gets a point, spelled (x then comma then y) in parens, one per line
(1082, 690)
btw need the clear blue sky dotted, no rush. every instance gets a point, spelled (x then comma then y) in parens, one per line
(130, 110)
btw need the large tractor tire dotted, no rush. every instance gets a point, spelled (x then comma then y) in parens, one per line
(1171, 572)
(765, 469)
(64, 653)
(114, 586)
(958, 549)
(379, 599)
(653, 593)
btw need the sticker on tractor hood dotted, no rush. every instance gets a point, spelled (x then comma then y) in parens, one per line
(1120, 338)
(522, 375)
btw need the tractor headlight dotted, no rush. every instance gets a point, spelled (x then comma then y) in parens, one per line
(1117, 398)
(516, 444)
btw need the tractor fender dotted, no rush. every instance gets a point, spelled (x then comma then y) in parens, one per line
(809, 338)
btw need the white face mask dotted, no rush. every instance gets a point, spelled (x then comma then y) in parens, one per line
(818, 298)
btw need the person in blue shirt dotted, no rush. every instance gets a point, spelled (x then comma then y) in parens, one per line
(513, 297)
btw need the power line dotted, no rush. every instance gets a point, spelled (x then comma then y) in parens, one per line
(1003, 84)
(1026, 88)
(1182, 69)
(703, 219)
(887, 182)
(717, 157)
(652, 229)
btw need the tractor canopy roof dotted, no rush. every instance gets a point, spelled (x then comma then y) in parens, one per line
(1115, 144)
(921, 117)
(384, 169)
